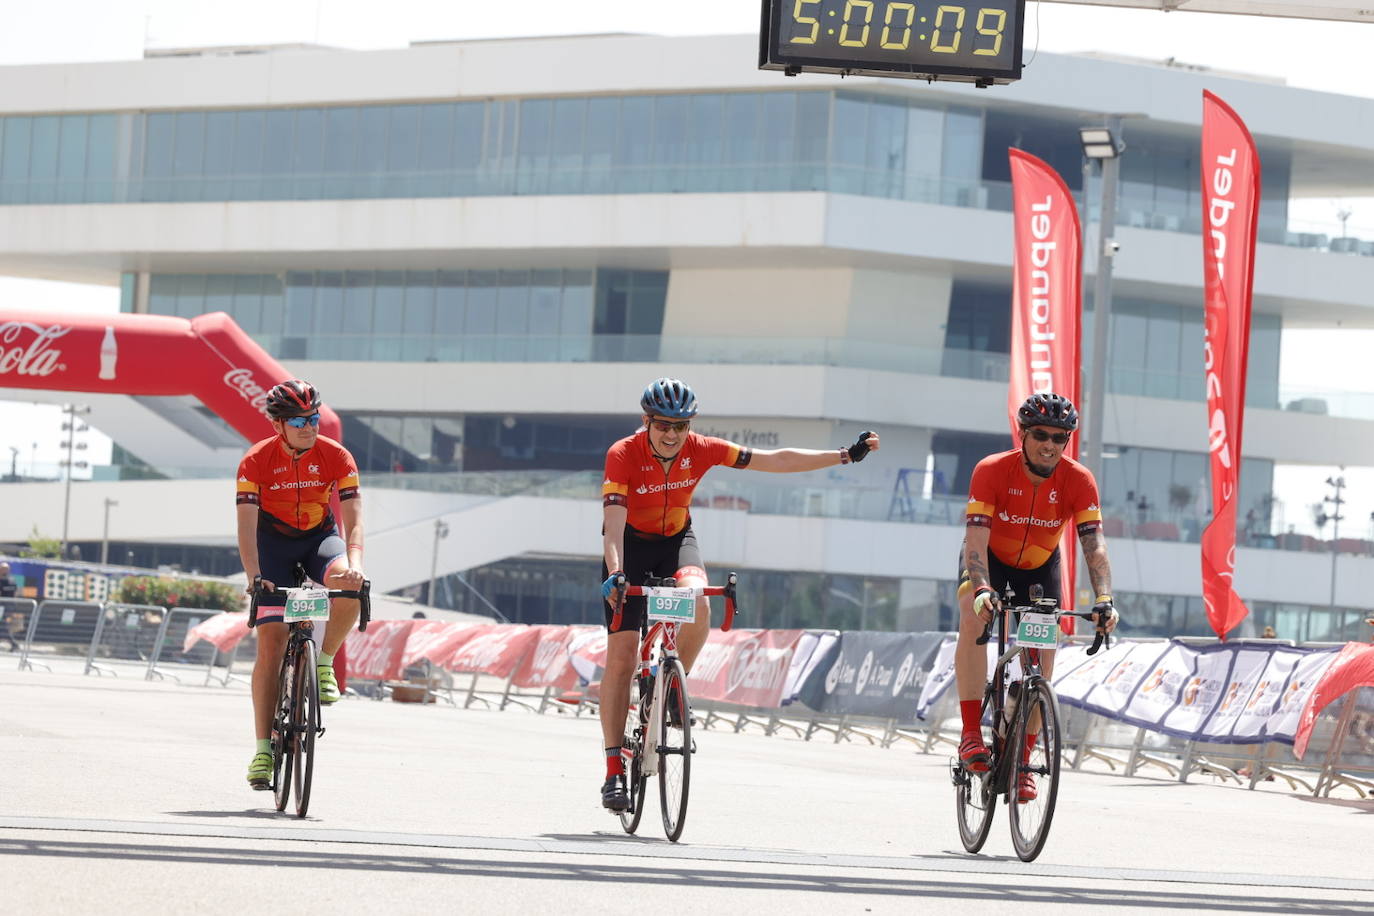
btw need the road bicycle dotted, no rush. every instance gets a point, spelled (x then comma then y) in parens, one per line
(1018, 704)
(297, 722)
(658, 728)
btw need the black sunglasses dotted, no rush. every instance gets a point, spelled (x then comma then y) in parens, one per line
(1039, 435)
(665, 425)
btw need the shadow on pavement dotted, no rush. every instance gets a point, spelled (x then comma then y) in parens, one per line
(678, 874)
(267, 813)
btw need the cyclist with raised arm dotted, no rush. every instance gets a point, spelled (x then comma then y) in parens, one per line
(647, 530)
(284, 486)
(1019, 503)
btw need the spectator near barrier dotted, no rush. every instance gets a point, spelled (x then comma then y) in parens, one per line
(7, 590)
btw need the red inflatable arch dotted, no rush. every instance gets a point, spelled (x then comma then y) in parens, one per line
(209, 357)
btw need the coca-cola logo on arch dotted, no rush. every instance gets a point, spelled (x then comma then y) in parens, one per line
(241, 380)
(31, 356)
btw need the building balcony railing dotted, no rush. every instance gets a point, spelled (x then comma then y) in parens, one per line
(541, 178)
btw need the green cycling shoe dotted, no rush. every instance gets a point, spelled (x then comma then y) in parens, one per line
(329, 686)
(260, 771)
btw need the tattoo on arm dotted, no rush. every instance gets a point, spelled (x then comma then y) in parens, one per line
(1099, 570)
(977, 569)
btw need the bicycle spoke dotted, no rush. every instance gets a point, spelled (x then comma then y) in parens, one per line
(674, 750)
(1033, 785)
(305, 719)
(635, 780)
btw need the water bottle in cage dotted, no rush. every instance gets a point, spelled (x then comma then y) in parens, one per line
(1009, 709)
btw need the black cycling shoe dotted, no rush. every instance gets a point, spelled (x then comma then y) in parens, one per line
(614, 796)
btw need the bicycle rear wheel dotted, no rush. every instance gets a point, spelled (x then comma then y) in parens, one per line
(674, 749)
(283, 737)
(305, 720)
(1031, 817)
(636, 726)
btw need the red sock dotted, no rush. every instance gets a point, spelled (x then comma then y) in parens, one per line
(971, 711)
(1030, 746)
(615, 766)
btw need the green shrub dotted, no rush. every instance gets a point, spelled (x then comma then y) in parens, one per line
(179, 593)
(39, 546)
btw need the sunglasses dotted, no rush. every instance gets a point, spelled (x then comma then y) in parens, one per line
(1039, 435)
(300, 422)
(664, 426)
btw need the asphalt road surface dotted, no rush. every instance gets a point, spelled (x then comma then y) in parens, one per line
(125, 796)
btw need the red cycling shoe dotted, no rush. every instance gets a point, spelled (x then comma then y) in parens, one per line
(973, 753)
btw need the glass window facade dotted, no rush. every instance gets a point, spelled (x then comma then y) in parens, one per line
(609, 315)
(843, 141)
(1153, 348)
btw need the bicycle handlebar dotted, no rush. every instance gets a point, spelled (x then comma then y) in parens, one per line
(1102, 638)
(726, 591)
(363, 595)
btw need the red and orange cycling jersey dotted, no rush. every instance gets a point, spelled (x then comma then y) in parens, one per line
(1026, 522)
(657, 502)
(294, 490)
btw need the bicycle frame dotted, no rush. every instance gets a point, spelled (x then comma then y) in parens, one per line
(666, 633)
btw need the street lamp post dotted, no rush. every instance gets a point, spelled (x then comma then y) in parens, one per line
(1337, 484)
(105, 536)
(1104, 145)
(440, 532)
(70, 427)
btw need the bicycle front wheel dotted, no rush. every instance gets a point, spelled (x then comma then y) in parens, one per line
(283, 738)
(636, 725)
(674, 749)
(1034, 781)
(305, 720)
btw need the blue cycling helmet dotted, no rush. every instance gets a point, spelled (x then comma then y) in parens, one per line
(1048, 410)
(668, 397)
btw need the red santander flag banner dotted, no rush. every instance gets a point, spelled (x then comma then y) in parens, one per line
(1230, 215)
(748, 667)
(1046, 307)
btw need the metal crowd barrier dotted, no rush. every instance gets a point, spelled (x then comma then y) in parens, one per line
(67, 628)
(124, 633)
(167, 652)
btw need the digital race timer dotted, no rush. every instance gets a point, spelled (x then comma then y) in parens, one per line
(973, 42)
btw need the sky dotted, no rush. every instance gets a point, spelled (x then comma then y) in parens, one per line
(1315, 55)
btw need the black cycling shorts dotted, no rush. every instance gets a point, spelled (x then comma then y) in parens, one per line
(1000, 575)
(661, 557)
(277, 559)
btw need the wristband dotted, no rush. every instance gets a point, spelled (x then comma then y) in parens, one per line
(1105, 599)
(355, 546)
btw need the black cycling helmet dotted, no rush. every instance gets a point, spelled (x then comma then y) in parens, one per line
(292, 398)
(1048, 410)
(668, 397)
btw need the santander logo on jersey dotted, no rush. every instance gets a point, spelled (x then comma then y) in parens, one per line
(1029, 520)
(671, 485)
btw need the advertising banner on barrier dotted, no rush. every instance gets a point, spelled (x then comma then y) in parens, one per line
(873, 674)
(495, 649)
(223, 631)
(376, 654)
(812, 650)
(435, 640)
(748, 667)
(550, 665)
(1229, 693)
(1351, 669)
(587, 654)
(940, 678)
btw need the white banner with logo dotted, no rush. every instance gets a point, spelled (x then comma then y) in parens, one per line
(1226, 693)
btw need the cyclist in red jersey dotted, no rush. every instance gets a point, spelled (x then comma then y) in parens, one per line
(1019, 504)
(647, 530)
(284, 487)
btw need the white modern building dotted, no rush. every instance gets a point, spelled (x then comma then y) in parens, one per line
(482, 251)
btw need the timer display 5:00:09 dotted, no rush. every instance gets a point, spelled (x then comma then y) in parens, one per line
(978, 41)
